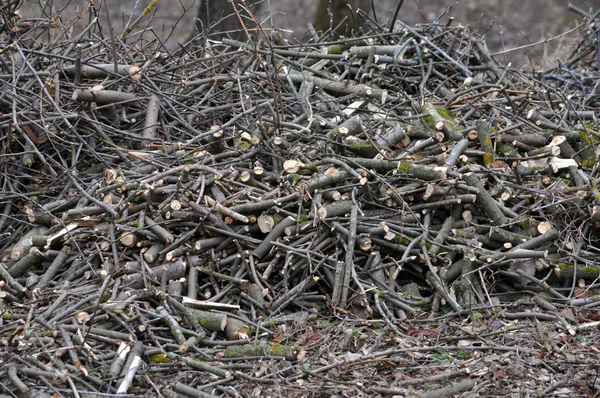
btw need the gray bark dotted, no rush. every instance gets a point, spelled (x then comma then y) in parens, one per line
(218, 18)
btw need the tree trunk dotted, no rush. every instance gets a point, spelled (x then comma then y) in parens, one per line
(218, 18)
(331, 12)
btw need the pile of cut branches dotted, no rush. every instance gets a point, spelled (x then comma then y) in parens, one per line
(186, 223)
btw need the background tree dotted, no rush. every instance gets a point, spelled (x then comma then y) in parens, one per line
(218, 16)
(331, 12)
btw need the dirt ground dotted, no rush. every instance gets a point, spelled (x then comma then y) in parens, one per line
(505, 24)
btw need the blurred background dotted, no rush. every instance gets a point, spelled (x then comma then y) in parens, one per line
(505, 24)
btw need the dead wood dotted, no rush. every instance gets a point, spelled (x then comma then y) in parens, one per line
(244, 215)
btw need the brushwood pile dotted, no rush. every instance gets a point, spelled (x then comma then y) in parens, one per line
(238, 217)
